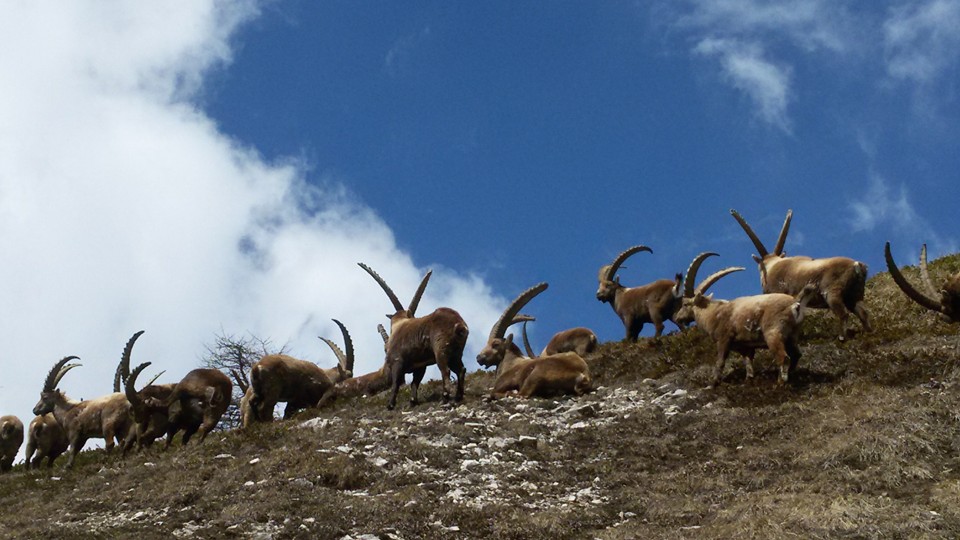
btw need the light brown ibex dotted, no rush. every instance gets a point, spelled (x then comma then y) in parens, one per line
(417, 342)
(11, 437)
(840, 281)
(579, 340)
(363, 385)
(301, 384)
(743, 325)
(654, 302)
(107, 417)
(563, 373)
(945, 301)
(47, 439)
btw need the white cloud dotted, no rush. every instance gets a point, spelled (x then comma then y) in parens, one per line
(921, 39)
(122, 207)
(744, 66)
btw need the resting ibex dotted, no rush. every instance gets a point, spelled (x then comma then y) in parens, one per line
(945, 301)
(654, 302)
(579, 340)
(11, 437)
(107, 417)
(563, 373)
(197, 402)
(363, 385)
(299, 383)
(839, 281)
(745, 324)
(417, 342)
(47, 439)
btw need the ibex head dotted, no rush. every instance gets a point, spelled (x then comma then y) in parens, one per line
(497, 345)
(48, 396)
(697, 297)
(765, 258)
(609, 281)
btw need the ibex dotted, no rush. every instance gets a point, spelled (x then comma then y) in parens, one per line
(654, 302)
(945, 301)
(197, 402)
(107, 417)
(579, 340)
(563, 373)
(299, 383)
(839, 281)
(11, 437)
(47, 439)
(417, 342)
(363, 385)
(745, 324)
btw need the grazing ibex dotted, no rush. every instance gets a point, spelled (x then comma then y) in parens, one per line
(563, 373)
(107, 417)
(745, 324)
(417, 342)
(11, 437)
(363, 385)
(197, 402)
(579, 340)
(654, 302)
(299, 383)
(839, 281)
(945, 301)
(47, 439)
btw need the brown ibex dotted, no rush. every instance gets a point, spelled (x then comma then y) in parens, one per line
(579, 340)
(745, 324)
(839, 281)
(654, 302)
(945, 301)
(11, 437)
(363, 385)
(417, 342)
(47, 439)
(563, 373)
(197, 402)
(107, 417)
(301, 384)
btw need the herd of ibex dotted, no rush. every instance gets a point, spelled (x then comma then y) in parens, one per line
(771, 320)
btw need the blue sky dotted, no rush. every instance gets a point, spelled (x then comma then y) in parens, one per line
(203, 167)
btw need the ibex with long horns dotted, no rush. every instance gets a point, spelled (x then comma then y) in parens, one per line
(107, 417)
(417, 342)
(47, 439)
(840, 281)
(563, 373)
(362, 385)
(945, 301)
(301, 384)
(745, 324)
(651, 303)
(11, 437)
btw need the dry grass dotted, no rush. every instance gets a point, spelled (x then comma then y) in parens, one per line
(864, 444)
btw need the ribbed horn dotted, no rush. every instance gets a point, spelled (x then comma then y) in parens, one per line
(688, 283)
(506, 318)
(526, 341)
(130, 388)
(341, 358)
(417, 295)
(753, 237)
(607, 272)
(782, 239)
(123, 370)
(714, 277)
(383, 285)
(925, 275)
(348, 345)
(383, 333)
(57, 372)
(905, 286)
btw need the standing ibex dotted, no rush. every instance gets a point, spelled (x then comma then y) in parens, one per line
(47, 439)
(945, 301)
(564, 373)
(745, 324)
(654, 302)
(417, 342)
(107, 417)
(299, 383)
(579, 340)
(11, 437)
(839, 281)
(197, 402)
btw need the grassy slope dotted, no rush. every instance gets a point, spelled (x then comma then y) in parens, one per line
(863, 444)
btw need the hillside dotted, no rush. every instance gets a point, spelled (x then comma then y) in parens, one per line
(864, 443)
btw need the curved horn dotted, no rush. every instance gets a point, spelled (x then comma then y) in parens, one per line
(341, 358)
(383, 285)
(925, 275)
(905, 286)
(714, 277)
(348, 344)
(123, 370)
(130, 389)
(57, 372)
(416, 296)
(692, 272)
(782, 239)
(506, 318)
(611, 269)
(526, 341)
(753, 237)
(154, 379)
(383, 333)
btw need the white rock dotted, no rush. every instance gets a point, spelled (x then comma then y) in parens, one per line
(254, 461)
(223, 456)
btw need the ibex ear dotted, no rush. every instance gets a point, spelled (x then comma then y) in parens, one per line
(757, 259)
(508, 340)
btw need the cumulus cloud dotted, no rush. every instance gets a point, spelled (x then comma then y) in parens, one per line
(123, 207)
